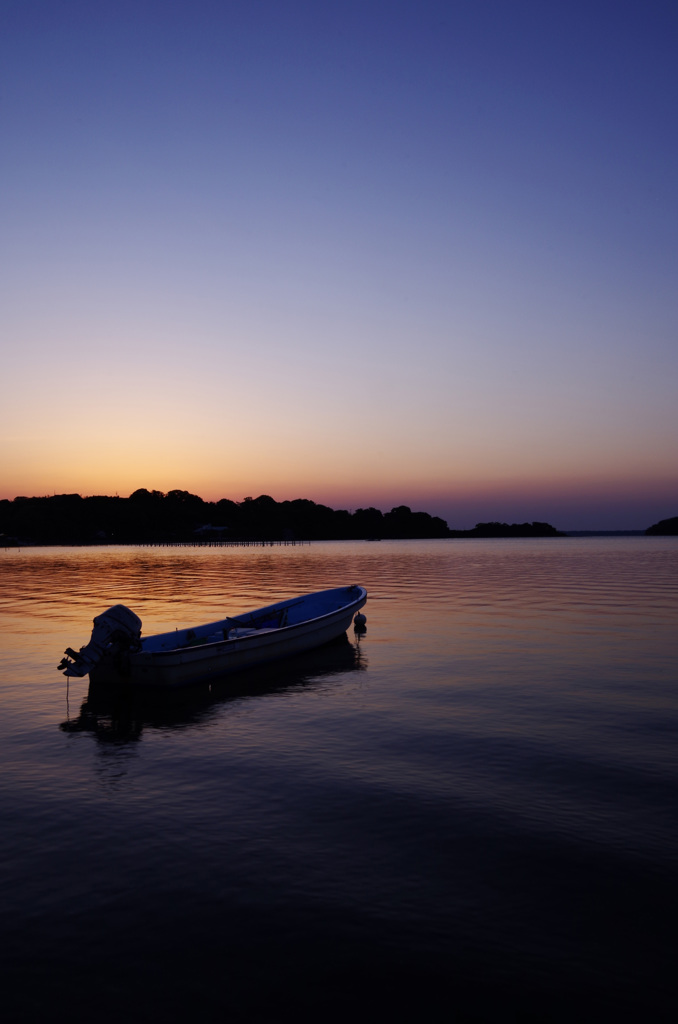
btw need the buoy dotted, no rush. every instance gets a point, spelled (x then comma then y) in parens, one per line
(359, 622)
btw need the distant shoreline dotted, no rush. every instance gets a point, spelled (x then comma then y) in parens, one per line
(12, 544)
(179, 517)
(606, 533)
(153, 517)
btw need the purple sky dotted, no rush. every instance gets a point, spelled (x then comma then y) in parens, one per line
(366, 253)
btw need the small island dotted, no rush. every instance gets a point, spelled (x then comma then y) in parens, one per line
(664, 528)
(179, 517)
(509, 530)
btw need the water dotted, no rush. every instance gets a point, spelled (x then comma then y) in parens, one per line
(468, 814)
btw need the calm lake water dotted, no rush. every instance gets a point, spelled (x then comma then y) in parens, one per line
(468, 814)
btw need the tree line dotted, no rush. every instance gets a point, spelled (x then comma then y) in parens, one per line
(179, 516)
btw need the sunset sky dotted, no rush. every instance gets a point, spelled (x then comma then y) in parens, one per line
(368, 253)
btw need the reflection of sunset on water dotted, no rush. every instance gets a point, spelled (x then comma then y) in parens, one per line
(506, 720)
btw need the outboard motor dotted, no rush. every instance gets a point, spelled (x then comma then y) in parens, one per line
(115, 630)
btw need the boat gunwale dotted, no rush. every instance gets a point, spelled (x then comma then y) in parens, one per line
(256, 636)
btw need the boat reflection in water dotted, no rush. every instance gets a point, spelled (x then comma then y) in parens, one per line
(119, 714)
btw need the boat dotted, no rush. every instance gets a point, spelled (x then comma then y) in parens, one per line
(117, 652)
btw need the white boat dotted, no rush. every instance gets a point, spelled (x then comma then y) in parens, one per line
(117, 652)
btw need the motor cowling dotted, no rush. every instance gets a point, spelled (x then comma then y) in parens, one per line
(115, 630)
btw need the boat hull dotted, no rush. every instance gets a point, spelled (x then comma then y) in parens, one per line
(185, 665)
